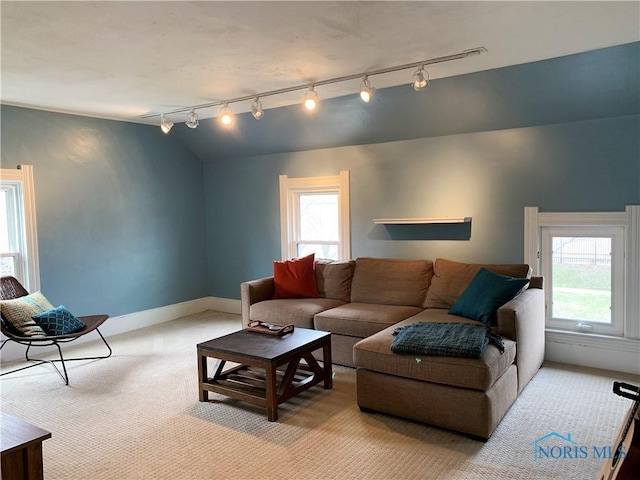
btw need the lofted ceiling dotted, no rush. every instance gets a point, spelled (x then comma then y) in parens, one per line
(124, 60)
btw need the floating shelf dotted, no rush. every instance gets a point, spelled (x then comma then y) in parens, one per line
(416, 221)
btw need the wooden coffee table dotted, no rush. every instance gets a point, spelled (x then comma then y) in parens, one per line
(271, 370)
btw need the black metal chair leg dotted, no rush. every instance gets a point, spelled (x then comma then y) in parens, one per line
(62, 360)
(66, 377)
(105, 342)
(39, 361)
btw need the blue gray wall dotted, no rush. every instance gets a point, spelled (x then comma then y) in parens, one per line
(120, 211)
(126, 221)
(561, 134)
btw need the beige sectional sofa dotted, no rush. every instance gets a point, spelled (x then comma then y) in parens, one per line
(363, 301)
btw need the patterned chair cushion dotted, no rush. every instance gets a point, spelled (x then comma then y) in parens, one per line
(18, 313)
(58, 321)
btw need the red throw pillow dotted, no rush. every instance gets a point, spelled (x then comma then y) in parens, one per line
(295, 278)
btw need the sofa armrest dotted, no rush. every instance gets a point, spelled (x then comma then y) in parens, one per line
(255, 291)
(523, 320)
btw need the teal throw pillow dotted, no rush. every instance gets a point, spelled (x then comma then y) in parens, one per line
(58, 321)
(487, 292)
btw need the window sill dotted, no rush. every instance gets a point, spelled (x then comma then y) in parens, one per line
(593, 350)
(594, 340)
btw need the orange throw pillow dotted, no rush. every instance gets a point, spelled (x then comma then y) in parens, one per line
(295, 278)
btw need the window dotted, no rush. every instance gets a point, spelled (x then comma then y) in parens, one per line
(9, 232)
(18, 236)
(314, 214)
(584, 275)
(591, 269)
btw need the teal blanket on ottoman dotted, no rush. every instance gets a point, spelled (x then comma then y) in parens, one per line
(448, 339)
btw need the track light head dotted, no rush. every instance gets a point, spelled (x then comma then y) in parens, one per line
(165, 125)
(226, 115)
(193, 121)
(256, 109)
(311, 99)
(419, 79)
(366, 91)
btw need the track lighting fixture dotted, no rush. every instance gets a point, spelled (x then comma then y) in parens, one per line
(311, 99)
(226, 118)
(226, 115)
(419, 80)
(366, 91)
(165, 125)
(193, 121)
(256, 109)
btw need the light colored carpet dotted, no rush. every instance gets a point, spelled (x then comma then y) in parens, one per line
(136, 415)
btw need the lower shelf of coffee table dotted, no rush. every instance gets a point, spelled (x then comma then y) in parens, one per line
(250, 384)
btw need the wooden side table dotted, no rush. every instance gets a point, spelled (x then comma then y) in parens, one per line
(21, 445)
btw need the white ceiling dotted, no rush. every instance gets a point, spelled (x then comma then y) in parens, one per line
(122, 60)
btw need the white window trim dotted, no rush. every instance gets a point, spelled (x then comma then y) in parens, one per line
(592, 349)
(291, 187)
(616, 233)
(629, 219)
(23, 178)
(632, 269)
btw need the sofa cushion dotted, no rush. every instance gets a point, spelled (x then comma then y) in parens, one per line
(487, 292)
(334, 279)
(295, 278)
(361, 319)
(439, 315)
(388, 281)
(374, 353)
(450, 279)
(297, 311)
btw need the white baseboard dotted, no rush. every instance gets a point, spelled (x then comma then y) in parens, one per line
(598, 351)
(133, 321)
(227, 305)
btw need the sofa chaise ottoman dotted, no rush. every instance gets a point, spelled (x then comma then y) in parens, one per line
(363, 302)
